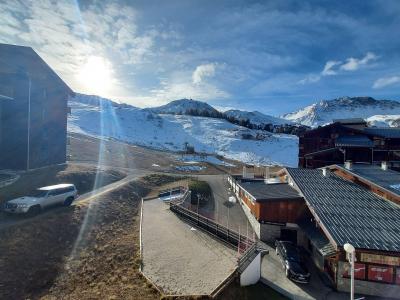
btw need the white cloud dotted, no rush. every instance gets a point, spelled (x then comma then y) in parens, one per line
(353, 64)
(386, 81)
(328, 69)
(310, 79)
(333, 67)
(202, 72)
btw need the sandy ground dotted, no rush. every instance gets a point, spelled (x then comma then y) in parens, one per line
(178, 259)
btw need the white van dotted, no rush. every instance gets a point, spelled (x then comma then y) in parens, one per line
(43, 197)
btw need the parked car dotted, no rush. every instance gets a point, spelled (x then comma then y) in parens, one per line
(292, 262)
(60, 194)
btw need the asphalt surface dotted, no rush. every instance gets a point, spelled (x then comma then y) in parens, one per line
(225, 212)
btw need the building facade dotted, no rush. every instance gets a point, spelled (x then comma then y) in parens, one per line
(33, 111)
(351, 140)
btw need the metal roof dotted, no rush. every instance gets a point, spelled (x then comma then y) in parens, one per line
(354, 141)
(350, 121)
(387, 179)
(348, 212)
(262, 191)
(387, 132)
(317, 238)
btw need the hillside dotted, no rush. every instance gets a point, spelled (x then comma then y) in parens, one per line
(173, 132)
(325, 111)
(184, 107)
(255, 117)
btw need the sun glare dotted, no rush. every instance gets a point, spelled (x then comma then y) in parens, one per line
(95, 75)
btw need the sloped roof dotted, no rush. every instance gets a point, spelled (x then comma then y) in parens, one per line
(262, 191)
(348, 212)
(387, 132)
(386, 179)
(24, 60)
(350, 121)
(354, 141)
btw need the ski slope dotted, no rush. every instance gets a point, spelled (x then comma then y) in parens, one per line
(173, 132)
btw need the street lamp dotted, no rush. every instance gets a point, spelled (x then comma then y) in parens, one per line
(351, 258)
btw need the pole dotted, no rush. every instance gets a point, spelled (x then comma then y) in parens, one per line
(29, 124)
(352, 255)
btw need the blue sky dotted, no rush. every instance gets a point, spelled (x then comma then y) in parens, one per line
(271, 56)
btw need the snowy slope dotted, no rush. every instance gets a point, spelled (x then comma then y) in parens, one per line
(384, 120)
(325, 111)
(183, 106)
(171, 132)
(256, 117)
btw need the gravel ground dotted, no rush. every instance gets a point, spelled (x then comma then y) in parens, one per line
(178, 259)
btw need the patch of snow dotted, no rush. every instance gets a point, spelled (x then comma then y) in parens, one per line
(190, 168)
(171, 132)
(194, 159)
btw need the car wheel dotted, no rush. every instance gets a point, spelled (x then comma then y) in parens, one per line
(34, 210)
(68, 201)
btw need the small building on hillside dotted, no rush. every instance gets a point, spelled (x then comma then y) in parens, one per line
(349, 139)
(33, 110)
(271, 207)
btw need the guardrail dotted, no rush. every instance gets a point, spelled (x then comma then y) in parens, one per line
(210, 226)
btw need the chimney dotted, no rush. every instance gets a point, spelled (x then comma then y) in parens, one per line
(267, 173)
(348, 164)
(384, 165)
(325, 172)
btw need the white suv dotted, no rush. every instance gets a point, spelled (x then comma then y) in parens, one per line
(43, 197)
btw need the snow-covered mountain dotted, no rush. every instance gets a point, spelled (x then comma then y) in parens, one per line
(171, 132)
(384, 121)
(325, 111)
(184, 106)
(98, 101)
(256, 117)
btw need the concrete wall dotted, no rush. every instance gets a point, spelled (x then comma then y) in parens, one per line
(269, 233)
(366, 287)
(251, 275)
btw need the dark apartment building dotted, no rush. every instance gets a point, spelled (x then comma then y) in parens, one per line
(33, 110)
(349, 139)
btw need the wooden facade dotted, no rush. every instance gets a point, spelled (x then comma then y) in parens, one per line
(280, 211)
(319, 147)
(33, 111)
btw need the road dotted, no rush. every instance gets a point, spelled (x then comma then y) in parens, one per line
(8, 221)
(222, 208)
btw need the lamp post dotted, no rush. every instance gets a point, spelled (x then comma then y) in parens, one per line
(351, 258)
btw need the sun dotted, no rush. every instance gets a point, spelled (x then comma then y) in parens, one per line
(96, 75)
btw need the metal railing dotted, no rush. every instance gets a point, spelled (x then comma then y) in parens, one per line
(225, 234)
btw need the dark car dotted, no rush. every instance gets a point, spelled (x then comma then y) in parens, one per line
(292, 262)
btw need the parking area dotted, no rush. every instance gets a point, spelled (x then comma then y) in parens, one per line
(178, 258)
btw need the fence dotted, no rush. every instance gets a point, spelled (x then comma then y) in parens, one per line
(210, 226)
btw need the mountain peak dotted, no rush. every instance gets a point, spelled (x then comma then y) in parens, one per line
(183, 106)
(325, 111)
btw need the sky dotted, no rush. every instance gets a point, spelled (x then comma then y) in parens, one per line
(270, 56)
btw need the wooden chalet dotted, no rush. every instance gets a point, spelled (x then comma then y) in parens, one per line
(349, 139)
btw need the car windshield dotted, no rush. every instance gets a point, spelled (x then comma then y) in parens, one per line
(39, 193)
(292, 254)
